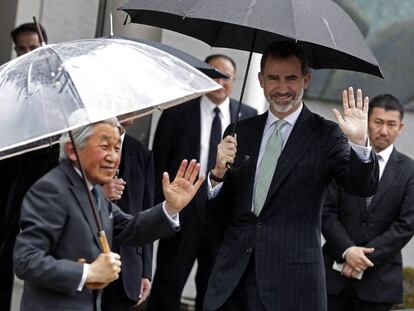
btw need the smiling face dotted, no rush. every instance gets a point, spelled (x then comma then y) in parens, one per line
(101, 154)
(384, 127)
(283, 84)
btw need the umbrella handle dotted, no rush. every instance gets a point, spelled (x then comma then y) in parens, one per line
(235, 170)
(104, 242)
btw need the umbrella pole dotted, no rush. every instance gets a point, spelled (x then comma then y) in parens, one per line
(231, 168)
(101, 233)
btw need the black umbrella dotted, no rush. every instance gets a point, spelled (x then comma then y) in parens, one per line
(189, 59)
(326, 33)
(323, 29)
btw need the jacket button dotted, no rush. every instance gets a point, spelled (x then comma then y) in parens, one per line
(259, 224)
(249, 250)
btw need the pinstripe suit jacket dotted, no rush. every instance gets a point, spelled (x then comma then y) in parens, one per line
(285, 239)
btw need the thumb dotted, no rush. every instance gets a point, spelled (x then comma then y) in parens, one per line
(338, 116)
(165, 180)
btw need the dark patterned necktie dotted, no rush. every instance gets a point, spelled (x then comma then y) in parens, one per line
(215, 137)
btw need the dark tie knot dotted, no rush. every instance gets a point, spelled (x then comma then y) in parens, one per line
(216, 111)
(95, 193)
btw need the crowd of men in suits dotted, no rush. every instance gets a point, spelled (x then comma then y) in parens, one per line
(256, 235)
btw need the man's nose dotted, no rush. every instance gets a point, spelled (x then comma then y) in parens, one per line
(384, 130)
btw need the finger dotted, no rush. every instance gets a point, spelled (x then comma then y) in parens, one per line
(165, 180)
(182, 168)
(345, 100)
(194, 174)
(367, 250)
(190, 169)
(366, 104)
(351, 97)
(199, 182)
(367, 262)
(338, 116)
(359, 102)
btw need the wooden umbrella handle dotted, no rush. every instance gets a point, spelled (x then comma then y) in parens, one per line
(105, 249)
(104, 242)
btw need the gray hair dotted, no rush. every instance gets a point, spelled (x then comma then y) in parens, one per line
(81, 135)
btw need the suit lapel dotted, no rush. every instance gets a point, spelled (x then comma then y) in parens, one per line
(81, 197)
(194, 124)
(251, 147)
(234, 107)
(125, 165)
(299, 141)
(392, 170)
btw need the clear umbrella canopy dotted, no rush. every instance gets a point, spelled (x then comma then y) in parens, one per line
(63, 86)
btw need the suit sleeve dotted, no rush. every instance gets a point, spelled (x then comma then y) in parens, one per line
(333, 230)
(400, 231)
(355, 176)
(162, 147)
(42, 221)
(147, 250)
(219, 208)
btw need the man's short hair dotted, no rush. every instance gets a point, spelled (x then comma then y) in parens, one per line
(388, 102)
(285, 49)
(81, 135)
(214, 56)
(27, 27)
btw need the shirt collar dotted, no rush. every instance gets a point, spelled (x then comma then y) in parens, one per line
(209, 105)
(77, 170)
(291, 119)
(386, 153)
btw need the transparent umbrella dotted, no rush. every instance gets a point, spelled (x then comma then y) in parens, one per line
(59, 87)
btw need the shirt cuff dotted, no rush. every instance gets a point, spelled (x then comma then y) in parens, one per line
(346, 251)
(362, 152)
(84, 275)
(212, 192)
(174, 219)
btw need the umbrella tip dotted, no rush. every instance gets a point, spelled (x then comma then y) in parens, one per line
(39, 32)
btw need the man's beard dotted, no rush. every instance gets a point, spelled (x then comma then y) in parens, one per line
(283, 108)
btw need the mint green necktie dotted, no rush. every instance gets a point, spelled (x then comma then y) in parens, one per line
(268, 166)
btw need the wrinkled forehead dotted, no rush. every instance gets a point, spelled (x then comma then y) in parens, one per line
(107, 132)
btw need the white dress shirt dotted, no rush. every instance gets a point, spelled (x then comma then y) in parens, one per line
(207, 115)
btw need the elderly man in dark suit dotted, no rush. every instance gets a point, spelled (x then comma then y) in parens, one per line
(271, 257)
(191, 130)
(133, 191)
(365, 236)
(57, 253)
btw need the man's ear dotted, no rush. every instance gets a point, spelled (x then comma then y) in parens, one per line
(307, 78)
(260, 76)
(70, 151)
(401, 127)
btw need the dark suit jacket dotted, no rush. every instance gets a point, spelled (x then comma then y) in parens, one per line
(285, 239)
(58, 228)
(137, 169)
(387, 225)
(177, 138)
